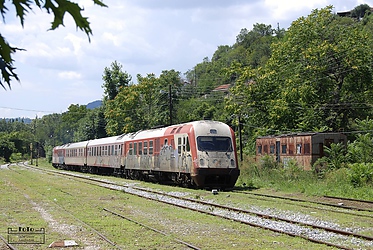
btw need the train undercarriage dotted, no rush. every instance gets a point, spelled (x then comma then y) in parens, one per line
(223, 179)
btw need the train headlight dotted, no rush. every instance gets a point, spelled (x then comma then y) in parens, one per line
(201, 162)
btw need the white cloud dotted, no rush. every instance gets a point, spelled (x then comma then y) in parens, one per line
(69, 75)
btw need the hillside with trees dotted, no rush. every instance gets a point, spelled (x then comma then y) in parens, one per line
(315, 76)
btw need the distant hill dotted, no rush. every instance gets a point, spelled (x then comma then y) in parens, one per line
(19, 119)
(94, 104)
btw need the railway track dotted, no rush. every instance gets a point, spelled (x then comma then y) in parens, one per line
(335, 237)
(9, 246)
(335, 207)
(331, 201)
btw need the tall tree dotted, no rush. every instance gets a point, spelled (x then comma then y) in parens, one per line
(318, 75)
(114, 79)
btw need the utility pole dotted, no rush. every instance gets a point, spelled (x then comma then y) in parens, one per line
(170, 102)
(240, 137)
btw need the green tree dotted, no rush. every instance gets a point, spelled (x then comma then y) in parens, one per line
(7, 146)
(70, 122)
(361, 149)
(58, 7)
(360, 11)
(114, 79)
(122, 113)
(92, 125)
(317, 75)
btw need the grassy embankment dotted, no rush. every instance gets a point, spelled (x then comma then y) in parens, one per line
(269, 175)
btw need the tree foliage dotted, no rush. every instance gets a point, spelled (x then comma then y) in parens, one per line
(58, 8)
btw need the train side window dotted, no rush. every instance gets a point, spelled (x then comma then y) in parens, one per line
(151, 147)
(140, 148)
(115, 149)
(135, 148)
(165, 142)
(145, 148)
(187, 144)
(179, 145)
(130, 151)
(121, 149)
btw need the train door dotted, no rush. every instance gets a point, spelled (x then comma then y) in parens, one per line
(61, 156)
(132, 156)
(114, 153)
(183, 156)
(165, 155)
(278, 151)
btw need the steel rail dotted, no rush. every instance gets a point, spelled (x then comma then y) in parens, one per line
(308, 201)
(10, 246)
(348, 199)
(346, 211)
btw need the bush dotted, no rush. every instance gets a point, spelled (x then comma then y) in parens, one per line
(360, 174)
(267, 162)
(16, 157)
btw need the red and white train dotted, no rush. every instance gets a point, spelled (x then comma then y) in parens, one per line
(200, 153)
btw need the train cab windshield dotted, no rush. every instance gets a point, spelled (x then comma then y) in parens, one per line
(214, 143)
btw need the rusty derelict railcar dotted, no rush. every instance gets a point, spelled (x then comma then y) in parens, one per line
(304, 148)
(200, 153)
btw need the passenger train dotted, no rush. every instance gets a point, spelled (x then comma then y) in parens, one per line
(200, 154)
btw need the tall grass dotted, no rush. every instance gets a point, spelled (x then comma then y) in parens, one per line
(268, 174)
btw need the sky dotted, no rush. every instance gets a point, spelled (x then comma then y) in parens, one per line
(62, 67)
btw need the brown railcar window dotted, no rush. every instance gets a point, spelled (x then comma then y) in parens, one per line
(283, 149)
(135, 148)
(130, 151)
(299, 148)
(307, 149)
(260, 149)
(291, 149)
(265, 149)
(272, 149)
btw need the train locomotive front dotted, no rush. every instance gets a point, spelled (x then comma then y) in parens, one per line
(215, 157)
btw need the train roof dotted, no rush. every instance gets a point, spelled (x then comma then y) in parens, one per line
(202, 125)
(108, 140)
(81, 144)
